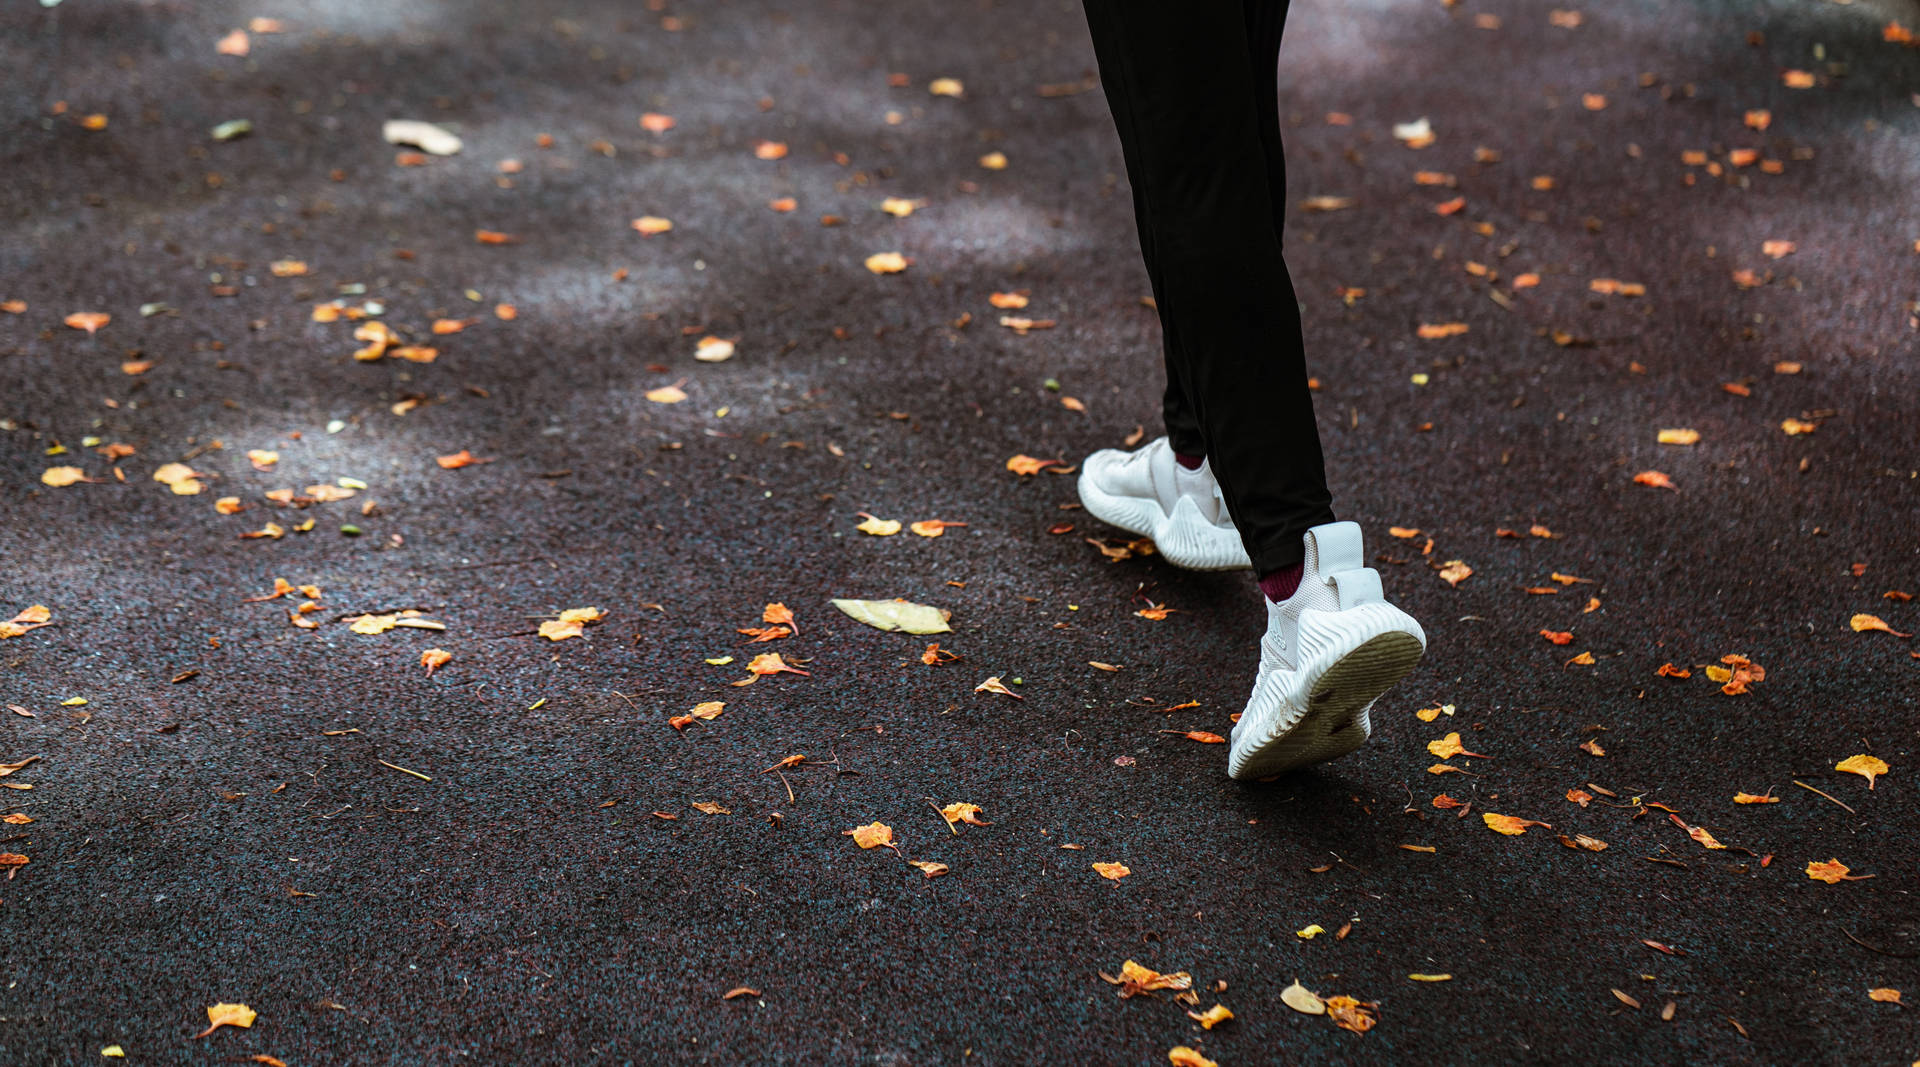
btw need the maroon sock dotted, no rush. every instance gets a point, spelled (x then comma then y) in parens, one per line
(1191, 463)
(1280, 584)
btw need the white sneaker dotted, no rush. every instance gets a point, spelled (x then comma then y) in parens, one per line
(1147, 492)
(1331, 650)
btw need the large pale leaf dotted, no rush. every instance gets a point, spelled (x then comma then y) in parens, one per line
(892, 615)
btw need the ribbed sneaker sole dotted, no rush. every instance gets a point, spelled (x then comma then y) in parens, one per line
(1334, 721)
(1194, 546)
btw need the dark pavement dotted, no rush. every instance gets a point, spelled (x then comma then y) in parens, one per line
(223, 820)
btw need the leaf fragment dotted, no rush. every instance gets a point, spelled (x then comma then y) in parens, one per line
(1868, 767)
(896, 615)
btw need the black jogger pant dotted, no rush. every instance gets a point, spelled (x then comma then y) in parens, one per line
(1192, 88)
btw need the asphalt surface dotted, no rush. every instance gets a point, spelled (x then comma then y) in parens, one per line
(224, 820)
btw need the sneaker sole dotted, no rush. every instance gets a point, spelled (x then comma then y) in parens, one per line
(1189, 545)
(1334, 720)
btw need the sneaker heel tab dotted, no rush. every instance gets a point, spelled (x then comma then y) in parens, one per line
(1334, 547)
(1357, 587)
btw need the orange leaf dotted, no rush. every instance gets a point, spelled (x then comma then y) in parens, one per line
(654, 122)
(1579, 796)
(90, 321)
(435, 658)
(995, 685)
(1884, 995)
(462, 458)
(445, 326)
(233, 44)
(1024, 464)
(769, 150)
(648, 225)
(1749, 798)
(1655, 479)
(1434, 330)
(494, 237)
(1112, 871)
(771, 663)
(966, 813)
(1833, 872)
(1558, 637)
(220, 1015)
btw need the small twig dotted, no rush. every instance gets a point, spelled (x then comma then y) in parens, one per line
(943, 815)
(1829, 796)
(403, 770)
(789, 785)
(1876, 948)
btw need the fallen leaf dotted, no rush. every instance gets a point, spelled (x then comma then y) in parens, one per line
(1509, 824)
(59, 477)
(1884, 996)
(1449, 747)
(457, 460)
(1679, 437)
(1863, 623)
(1582, 841)
(1182, 1056)
(769, 150)
(1350, 1014)
(1868, 767)
(1415, 134)
(1430, 977)
(1435, 330)
(1212, 1017)
(1558, 637)
(740, 991)
(931, 868)
(1112, 871)
(771, 663)
(887, 262)
(494, 237)
(654, 122)
(1024, 464)
(995, 685)
(422, 135)
(1310, 932)
(90, 321)
(713, 350)
(872, 835)
(1655, 479)
(1454, 571)
(233, 44)
(896, 615)
(648, 225)
(1297, 997)
(1832, 872)
(966, 813)
(1326, 203)
(994, 161)
(1750, 798)
(666, 394)
(435, 658)
(220, 1015)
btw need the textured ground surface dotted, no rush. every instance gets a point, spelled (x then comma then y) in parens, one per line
(232, 834)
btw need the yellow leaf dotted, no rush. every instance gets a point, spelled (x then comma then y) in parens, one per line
(887, 262)
(666, 394)
(1212, 1017)
(1310, 932)
(872, 835)
(374, 624)
(114, 1051)
(1868, 767)
(1182, 1056)
(1114, 871)
(878, 527)
(1679, 437)
(648, 225)
(1863, 623)
(994, 161)
(1884, 996)
(1509, 825)
(435, 658)
(900, 207)
(995, 685)
(1431, 977)
(220, 1015)
(62, 476)
(1749, 798)
(945, 87)
(966, 813)
(1454, 571)
(1449, 747)
(1432, 331)
(709, 710)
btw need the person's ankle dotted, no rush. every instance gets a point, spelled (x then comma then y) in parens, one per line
(1281, 584)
